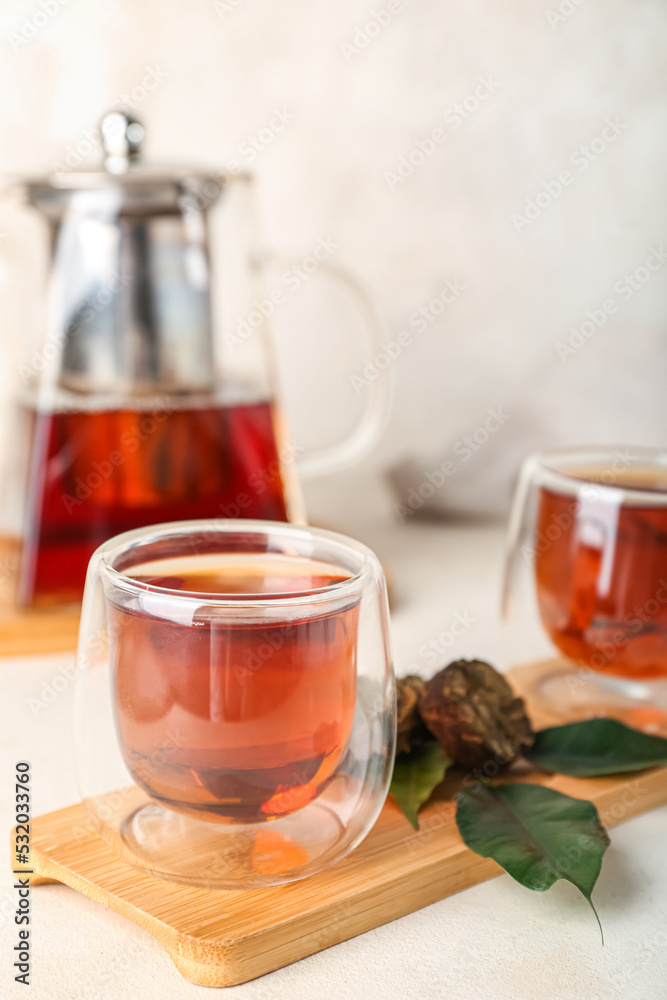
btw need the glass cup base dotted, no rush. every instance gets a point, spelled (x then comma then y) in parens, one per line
(179, 848)
(571, 693)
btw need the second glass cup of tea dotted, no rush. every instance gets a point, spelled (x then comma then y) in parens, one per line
(586, 578)
(235, 699)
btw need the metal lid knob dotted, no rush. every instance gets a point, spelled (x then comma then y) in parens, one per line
(122, 135)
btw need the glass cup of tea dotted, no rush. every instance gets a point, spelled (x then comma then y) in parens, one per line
(586, 582)
(235, 703)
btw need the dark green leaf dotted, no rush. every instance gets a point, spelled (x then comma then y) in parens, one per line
(536, 834)
(415, 776)
(596, 746)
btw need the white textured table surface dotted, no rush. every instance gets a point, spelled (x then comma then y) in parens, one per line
(496, 941)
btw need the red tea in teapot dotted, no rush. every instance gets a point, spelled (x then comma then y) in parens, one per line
(94, 474)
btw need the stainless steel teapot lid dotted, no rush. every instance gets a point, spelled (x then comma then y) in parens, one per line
(138, 188)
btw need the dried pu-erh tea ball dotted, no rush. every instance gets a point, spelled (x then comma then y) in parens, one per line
(476, 717)
(411, 733)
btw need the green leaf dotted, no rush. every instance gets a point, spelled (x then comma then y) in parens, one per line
(536, 834)
(597, 746)
(415, 776)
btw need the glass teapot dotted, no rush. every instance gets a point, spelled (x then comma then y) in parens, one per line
(136, 410)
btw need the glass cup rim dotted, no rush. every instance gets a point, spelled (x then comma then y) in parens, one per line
(546, 465)
(125, 542)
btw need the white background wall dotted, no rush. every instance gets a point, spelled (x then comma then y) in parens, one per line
(356, 112)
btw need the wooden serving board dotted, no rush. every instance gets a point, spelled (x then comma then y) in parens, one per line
(222, 938)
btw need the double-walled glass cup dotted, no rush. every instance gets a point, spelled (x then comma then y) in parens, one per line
(586, 582)
(235, 709)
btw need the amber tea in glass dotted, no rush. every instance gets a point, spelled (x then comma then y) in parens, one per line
(601, 571)
(235, 720)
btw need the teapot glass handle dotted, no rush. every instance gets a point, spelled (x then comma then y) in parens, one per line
(378, 392)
